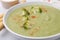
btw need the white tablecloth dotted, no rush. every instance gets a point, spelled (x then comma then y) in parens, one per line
(5, 35)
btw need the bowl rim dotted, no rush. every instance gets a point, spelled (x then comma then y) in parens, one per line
(25, 4)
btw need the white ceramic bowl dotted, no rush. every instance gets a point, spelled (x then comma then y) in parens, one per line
(22, 36)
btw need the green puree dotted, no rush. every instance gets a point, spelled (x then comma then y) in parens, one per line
(35, 21)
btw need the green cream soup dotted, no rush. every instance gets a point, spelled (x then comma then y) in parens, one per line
(35, 21)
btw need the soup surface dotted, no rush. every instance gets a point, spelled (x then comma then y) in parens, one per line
(35, 20)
